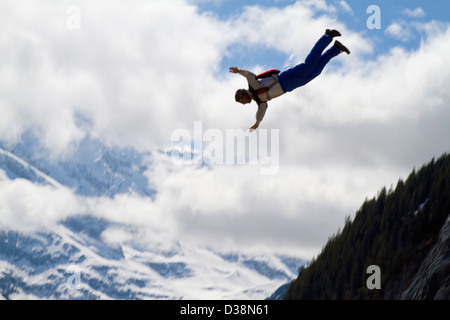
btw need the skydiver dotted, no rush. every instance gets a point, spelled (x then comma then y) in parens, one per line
(272, 84)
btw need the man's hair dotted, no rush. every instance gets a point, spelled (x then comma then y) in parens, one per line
(239, 94)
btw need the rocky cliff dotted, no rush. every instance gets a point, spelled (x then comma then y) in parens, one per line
(427, 276)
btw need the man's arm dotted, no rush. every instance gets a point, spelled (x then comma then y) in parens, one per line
(259, 115)
(262, 107)
(250, 76)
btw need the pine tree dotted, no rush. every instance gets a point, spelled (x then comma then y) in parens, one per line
(386, 231)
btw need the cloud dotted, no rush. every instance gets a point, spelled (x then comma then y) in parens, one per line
(234, 206)
(139, 72)
(131, 69)
(416, 13)
(293, 29)
(344, 5)
(26, 206)
(396, 30)
(407, 30)
(382, 98)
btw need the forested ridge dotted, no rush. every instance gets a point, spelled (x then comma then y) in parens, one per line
(394, 231)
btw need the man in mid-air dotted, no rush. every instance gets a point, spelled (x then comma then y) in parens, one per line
(272, 84)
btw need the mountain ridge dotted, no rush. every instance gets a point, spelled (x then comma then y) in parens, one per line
(405, 231)
(92, 169)
(40, 264)
(88, 255)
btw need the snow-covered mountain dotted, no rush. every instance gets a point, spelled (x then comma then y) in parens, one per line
(81, 260)
(93, 169)
(84, 256)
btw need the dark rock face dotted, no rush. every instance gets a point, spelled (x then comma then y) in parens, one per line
(428, 275)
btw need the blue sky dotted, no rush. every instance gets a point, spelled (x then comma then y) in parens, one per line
(353, 13)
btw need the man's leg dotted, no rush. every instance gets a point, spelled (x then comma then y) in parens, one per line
(324, 59)
(298, 76)
(336, 49)
(315, 55)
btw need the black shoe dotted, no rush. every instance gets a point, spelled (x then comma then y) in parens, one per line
(341, 47)
(332, 33)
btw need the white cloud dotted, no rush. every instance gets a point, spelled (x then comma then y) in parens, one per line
(387, 114)
(396, 30)
(26, 206)
(416, 13)
(293, 29)
(141, 70)
(138, 71)
(131, 69)
(346, 7)
(317, 5)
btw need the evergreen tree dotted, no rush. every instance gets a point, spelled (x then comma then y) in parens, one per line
(386, 231)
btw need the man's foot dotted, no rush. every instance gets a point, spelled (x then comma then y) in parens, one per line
(341, 47)
(332, 33)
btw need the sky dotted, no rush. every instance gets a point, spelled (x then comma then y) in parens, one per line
(145, 71)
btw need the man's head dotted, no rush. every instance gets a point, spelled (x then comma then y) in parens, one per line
(243, 96)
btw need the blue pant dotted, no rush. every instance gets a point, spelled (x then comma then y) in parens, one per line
(315, 62)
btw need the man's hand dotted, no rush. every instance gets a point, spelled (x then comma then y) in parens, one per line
(234, 70)
(254, 127)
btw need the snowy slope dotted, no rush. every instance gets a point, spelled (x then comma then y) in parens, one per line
(79, 260)
(92, 170)
(84, 256)
(18, 168)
